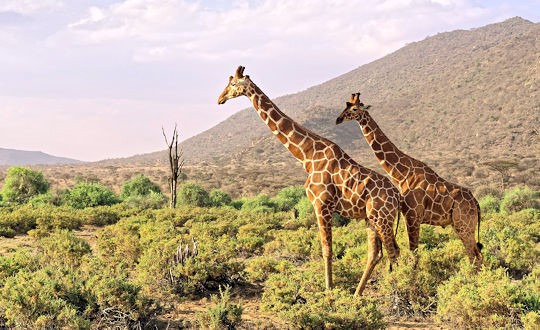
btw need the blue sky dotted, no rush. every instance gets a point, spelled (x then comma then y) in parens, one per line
(98, 79)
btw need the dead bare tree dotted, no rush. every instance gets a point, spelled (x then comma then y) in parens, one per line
(176, 162)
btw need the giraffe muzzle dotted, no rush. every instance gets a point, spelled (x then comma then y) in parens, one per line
(339, 120)
(221, 99)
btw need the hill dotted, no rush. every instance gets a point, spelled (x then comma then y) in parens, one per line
(22, 157)
(454, 100)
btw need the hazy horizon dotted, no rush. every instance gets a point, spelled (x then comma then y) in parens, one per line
(92, 80)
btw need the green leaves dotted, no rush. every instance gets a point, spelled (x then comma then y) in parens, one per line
(22, 183)
(88, 195)
(140, 185)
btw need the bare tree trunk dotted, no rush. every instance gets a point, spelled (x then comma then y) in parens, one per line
(176, 162)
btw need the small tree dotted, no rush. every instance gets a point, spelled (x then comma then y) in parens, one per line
(287, 198)
(193, 195)
(140, 185)
(22, 183)
(176, 162)
(503, 167)
(89, 195)
(219, 198)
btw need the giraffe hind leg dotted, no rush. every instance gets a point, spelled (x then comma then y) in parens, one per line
(374, 256)
(473, 251)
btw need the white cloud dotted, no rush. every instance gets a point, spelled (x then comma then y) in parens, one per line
(25, 7)
(168, 30)
(95, 15)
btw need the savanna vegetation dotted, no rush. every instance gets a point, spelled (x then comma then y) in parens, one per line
(93, 258)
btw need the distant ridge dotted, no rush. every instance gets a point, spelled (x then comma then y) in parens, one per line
(23, 157)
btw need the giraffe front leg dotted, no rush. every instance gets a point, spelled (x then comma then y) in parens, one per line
(413, 231)
(374, 256)
(324, 220)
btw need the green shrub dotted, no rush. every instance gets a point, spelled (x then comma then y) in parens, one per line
(252, 237)
(259, 268)
(531, 320)
(20, 219)
(293, 245)
(100, 215)
(219, 198)
(489, 204)
(485, 300)
(433, 237)
(191, 194)
(215, 265)
(140, 185)
(7, 232)
(45, 199)
(260, 203)
(159, 242)
(114, 301)
(89, 195)
(223, 314)
(63, 249)
(306, 213)
(11, 264)
(22, 183)
(510, 241)
(118, 245)
(151, 201)
(48, 298)
(529, 298)
(287, 198)
(518, 199)
(51, 218)
(411, 288)
(237, 203)
(295, 296)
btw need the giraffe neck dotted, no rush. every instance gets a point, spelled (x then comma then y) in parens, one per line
(389, 156)
(298, 140)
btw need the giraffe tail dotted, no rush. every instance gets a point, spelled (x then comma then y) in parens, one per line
(397, 223)
(478, 244)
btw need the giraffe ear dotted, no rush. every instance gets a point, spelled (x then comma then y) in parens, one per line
(349, 104)
(367, 107)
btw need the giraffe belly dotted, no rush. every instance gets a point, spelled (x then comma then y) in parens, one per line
(427, 209)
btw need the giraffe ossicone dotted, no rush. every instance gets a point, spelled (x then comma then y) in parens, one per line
(427, 198)
(335, 183)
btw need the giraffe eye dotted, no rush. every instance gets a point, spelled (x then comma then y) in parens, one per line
(233, 84)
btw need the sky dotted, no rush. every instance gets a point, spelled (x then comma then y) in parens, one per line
(99, 79)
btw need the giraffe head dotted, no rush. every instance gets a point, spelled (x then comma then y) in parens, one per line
(237, 86)
(355, 110)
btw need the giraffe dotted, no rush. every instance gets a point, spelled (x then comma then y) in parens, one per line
(427, 198)
(335, 183)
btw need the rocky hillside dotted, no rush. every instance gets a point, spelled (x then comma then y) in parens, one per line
(454, 100)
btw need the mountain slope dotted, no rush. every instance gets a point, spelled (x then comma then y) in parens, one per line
(453, 100)
(22, 157)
